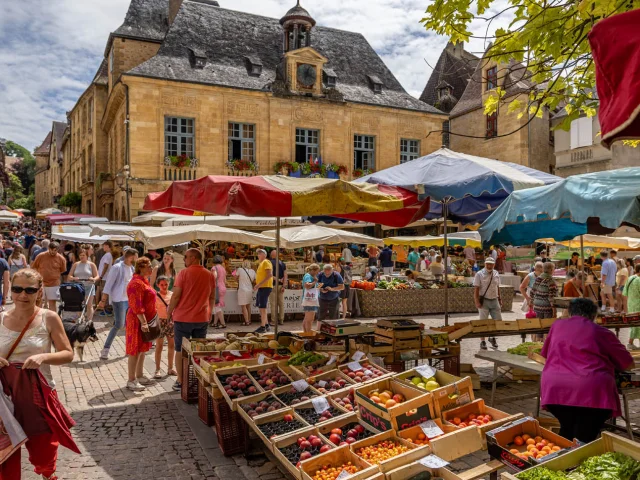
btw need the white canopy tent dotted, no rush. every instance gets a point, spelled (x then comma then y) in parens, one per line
(308, 236)
(239, 221)
(202, 235)
(86, 237)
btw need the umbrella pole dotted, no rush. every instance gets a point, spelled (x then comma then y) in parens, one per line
(445, 215)
(276, 322)
(584, 277)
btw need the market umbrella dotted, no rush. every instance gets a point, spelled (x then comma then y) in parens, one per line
(22, 210)
(233, 221)
(459, 182)
(47, 211)
(280, 196)
(432, 241)
(596, 241)
(308, 236)
(160, 237)
(614, 44)
(56, 218)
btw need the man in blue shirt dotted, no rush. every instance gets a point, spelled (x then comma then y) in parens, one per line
(386, 260)
(607, 281)
(412, 259)
(330, 284)
(29, 239)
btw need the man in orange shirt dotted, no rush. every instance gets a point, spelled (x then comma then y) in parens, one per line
(194, 296)
(51, 265)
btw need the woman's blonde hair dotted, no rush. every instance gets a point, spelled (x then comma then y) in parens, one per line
(29, 274)
(246, 263)
(141, 263)
(313, 266)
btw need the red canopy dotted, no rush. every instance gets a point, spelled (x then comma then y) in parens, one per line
(280, 196)
(615, 44)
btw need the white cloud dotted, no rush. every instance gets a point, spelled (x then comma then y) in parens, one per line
(49, 51)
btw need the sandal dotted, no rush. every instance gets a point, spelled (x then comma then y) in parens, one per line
(222, 326)
(172, 372)
(158, 374)
(247, 324)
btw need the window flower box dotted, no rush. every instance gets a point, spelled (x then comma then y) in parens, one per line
(242, 168)
(181, 161)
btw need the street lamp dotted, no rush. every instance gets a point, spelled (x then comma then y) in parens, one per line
(122, 180)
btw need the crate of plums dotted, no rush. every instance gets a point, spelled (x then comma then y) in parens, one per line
(257, 405)
(270, 426)
(236, 383)
(302, 445)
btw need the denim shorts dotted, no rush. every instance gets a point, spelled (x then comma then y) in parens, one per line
(188, 331)
(262, 297)
(310, 309)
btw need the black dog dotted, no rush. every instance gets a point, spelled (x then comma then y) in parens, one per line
(79, 334)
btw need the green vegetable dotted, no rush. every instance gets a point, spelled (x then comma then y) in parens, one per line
(610, 466)
(541, 473)
(523, 348)
(304, 357)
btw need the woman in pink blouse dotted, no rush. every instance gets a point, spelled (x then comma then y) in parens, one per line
(578, 384)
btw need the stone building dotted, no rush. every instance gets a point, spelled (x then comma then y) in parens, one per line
(43, 197)
(578, 150)
(473, 132)
(192, 78)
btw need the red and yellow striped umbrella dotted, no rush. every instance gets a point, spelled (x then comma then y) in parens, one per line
(280, 196)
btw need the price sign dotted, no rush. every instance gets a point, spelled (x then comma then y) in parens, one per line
(357, 356)
(431, 429)
(322, 383)
(332, 360)
(426, 371)
(344, 474)
(235, 352)
(300, 385)
(433, 461)
(354, 366)
(261, 359)
(320, 404)
(368, 372)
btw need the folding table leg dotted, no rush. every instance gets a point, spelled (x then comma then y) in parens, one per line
(494, 381)
(627, 417)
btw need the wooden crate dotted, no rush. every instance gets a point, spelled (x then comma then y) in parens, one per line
(234, 371)
(286, 388)
(519, 375)
(255, 399)
(333, 375)
(547, 322)
(325, 428)
(335, 458)
(529, 323)
(479, 407)
(502, 326)
(413, 432)
(457, 445)
(340, 412)
(269, 365)
(414, 468)
(288, 440)
(441, 377)
(273, 417)
(457, 330)
(415, 452)
(483, 326)
(453, 395)
(467, 370)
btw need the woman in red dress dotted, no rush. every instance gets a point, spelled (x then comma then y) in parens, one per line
(142, 308)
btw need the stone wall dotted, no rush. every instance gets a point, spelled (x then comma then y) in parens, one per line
(127, 54)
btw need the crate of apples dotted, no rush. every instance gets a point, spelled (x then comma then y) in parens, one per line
(348, 434)
(477, 419)
(367, 373)
(302, 448)
(347, 401)
(535, 447)
(328, 383)
(238, 385)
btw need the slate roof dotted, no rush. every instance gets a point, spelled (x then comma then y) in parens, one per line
(517, 81)
(102, 75)
(145, 20)
(454, 67)
(58, 134)
(228, 37)
(45, 147)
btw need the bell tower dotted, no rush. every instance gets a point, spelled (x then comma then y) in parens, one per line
(296, 25)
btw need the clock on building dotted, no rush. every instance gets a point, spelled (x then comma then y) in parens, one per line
(306, 75)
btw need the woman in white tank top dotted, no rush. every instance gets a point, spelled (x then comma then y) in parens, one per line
(41, 328)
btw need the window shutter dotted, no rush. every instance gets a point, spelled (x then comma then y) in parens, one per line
(574, 134)
(585, 132)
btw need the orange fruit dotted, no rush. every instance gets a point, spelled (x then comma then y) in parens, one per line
(526, 437)
(538, 439)
(514, 451)
(518, 441)
(530, 447)
(457, 421)
(555, 449)
(530, 441)
(421, 436)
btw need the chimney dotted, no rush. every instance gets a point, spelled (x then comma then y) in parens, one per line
(456, 49)
(174, 6)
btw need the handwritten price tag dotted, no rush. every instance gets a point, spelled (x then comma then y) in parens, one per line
(344, 474)
(431, 429)
(433, 461)
(332, 360)
(261, 359)
(235, 352)
(322, 383)
(357, 356)
(368, 372)
(354, 366)
(320, 404)
(300, 385)
(426, 371)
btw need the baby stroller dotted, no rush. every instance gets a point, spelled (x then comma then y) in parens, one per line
(72, 311)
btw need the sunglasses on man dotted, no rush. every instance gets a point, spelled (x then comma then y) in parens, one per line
(29, 290)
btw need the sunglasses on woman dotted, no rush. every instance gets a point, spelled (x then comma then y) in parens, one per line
(28, 290)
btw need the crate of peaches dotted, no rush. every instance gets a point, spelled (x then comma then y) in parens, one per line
(363, 371)
(269, 376)
(257, 405)
(302, 445)
(331, 381)
(235, 383)
(346, 430)
(477, 414)
(388, 451)
(337, 461)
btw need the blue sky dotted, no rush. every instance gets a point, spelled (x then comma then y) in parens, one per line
(50, 50)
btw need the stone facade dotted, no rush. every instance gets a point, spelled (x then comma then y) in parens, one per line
(126, 54)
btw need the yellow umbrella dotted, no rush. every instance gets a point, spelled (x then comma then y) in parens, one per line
(431, 241)
(597, 241)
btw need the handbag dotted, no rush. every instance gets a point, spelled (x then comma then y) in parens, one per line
(154, 330)
(486, 290)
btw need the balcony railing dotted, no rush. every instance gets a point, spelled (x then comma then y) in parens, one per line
(172, 174)
(241, 173)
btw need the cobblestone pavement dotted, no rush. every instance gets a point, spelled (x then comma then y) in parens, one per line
(154, 435)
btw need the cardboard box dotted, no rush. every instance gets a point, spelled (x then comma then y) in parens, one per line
(529, 323)
(481, 326)
(571, 459)
(415, 452)
(337, 457)
(292, 439)
(274, 417)
(453, 395)
(509, 326)
(458, 444)
(434, 338)
(417, 407)
(478, 407)
(499, 443)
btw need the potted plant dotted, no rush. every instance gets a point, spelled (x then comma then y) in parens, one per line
(306, 169)
(242, 167)
(294, 170)
(180, 161)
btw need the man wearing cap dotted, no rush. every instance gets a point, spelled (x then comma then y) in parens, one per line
(486, 293)
(331, 284)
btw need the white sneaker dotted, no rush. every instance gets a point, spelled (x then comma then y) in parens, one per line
(144, 380)
(104, 354)
(612, 310)
(603, 309)
(135, 386)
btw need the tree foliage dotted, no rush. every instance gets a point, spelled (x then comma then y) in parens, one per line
(15, 190)
(71, 200)
(25, 170)
(28, 202)
(549, 37)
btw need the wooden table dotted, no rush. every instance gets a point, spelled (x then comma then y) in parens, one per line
(511, 361)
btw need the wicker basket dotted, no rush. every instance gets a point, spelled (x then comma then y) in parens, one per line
(205, 405)
(189, 390)
(231, 429)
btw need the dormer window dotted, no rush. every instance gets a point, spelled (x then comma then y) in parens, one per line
(330, 78)
(198, 58)
(254, 65)
(376, 83)
(492, 78)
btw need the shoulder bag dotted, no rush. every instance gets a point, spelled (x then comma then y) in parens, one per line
(487, 289)
(154, 325)
(310, 297)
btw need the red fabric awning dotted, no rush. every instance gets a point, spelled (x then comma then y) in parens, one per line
(279, 196)
(615, 44)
